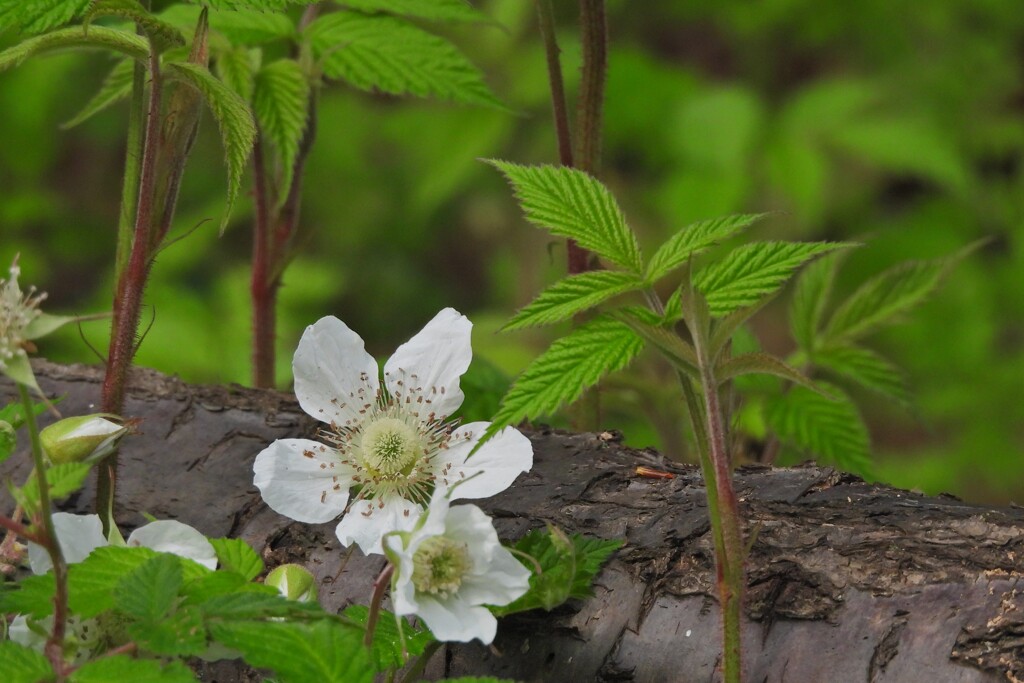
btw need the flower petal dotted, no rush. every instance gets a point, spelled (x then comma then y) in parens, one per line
(334, 375)
(19, 632)
(493, 468)
(471, 525)
(367, 521)
(456, 620)
(302, 479)
(424, 372)
(78, 536)
(170, 536)
(502, 581)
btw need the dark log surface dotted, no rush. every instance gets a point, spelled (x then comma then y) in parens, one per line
(848, 581)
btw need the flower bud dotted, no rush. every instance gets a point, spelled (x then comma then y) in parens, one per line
(294, 582)
(81, 439)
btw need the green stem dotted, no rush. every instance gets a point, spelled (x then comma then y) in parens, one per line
(54, 648)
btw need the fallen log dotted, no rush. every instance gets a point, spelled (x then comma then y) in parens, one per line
(847, 581)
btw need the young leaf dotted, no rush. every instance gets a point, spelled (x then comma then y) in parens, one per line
(325, 651)
(829, 428)
(149, 591)
(126, 668)
(810, 297)
(31, 596)
(572, 204)
(760, 364)
(63, 480)
(22, 665)
(674, 306)
(97, 38)
(281, 104)
(435, 10)
(692, 240)
(116, 87)
(37, 16)
(569, 366)
(387, 643)
(754, 270)
(866, 368)
(235, 555)
(723, 329)
(378, 52)
(163, 34)
(676, 351)
(237, 127)
(237, 68)
(573, 295)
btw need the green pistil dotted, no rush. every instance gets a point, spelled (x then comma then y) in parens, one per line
(389, 447)
(439, 565)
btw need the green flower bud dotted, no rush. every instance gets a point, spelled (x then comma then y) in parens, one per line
(294, 582)
(81, 439)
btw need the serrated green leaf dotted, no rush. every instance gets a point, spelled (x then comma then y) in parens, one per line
(125, 668)
(674, 306)
(378, 52)
(387, 643)
(116, 87)
(179, 634)
(97, 38)
(679, 353)
(22, 665)
(257, 605)
(63, 480)
(435, 10)
(326, 652)
(257, 5)
(572, 204)
(252, 28)
(163, 35)
(572, 295)
(14, 413)
(237, 68)
(220, 583)
(753, 271)
(569, 366)
(866, 368)
(32, 596)
(235, 120)
(281, 104)
(761, 364)
(149, 591)
(831, 429)
(235, 555)
(37, 16)
(8, 440)
(723, 329)
(692, 240)
(883, 298)
(810, 297)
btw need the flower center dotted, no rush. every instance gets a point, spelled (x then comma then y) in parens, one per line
(17, 310)
(439, 565)
(389, 447)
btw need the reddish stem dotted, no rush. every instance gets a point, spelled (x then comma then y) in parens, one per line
(263, 294)
(379, 586)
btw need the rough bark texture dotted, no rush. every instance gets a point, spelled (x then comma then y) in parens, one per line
(848, 581)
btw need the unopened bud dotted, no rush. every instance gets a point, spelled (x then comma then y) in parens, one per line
(81, 439)
(294, 582)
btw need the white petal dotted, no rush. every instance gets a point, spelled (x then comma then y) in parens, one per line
(366, 522)
(471, 525)
(78, 536)
(302, 479)
(430, 364)
(502, 581)
(494, 467)
(20, 633)
(169, 536)
(455, 620)
(334, 375)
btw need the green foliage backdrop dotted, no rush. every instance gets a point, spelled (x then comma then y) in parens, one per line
(849, 121)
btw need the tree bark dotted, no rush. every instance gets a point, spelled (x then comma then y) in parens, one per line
(847, 581)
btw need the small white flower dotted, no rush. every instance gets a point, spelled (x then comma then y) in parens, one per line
(388, 448)
(448, 568)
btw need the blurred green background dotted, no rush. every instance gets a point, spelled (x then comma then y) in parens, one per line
(897, 124)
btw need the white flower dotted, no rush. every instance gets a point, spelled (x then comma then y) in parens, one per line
(388, 448)
(450, 567)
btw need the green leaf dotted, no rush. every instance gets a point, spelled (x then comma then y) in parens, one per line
(179, 634)
(237, 68)
(679, 353)
(326, 652)
(754, 270)
(37, 16)
(258, 5)
(14, 413)
(163, 34)
(387, 643)
(8, 440)
(235, 555)
(220, 583)
(810, 297)
(125, 668)
(760, 364)
(866, 368)
(723, 329)
(32, 596)
(63, 480)
(692, 240)
(281, 104)
(884, 298)
(116, 87)
(45, 323)
(149, 591)
(572, 204)
(258, 605)
(831, 429)
(22, 665)
(97, 38)
(235, 120)
(573, 295)
(561, 374)
(377, 52)
(252, 28)
(435, 10)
